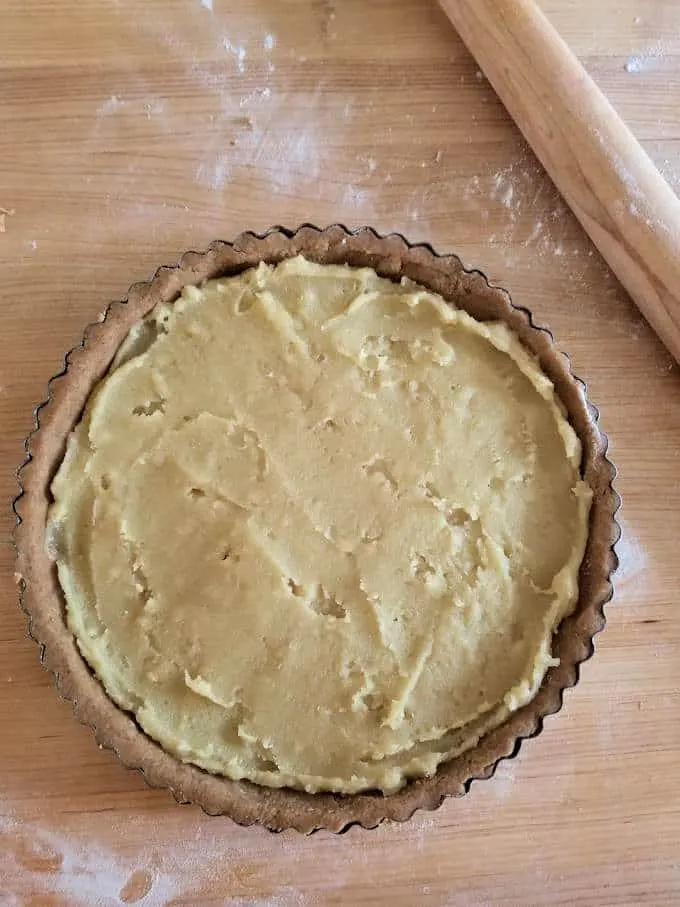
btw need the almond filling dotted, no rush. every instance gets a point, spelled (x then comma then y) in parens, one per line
(317, 529)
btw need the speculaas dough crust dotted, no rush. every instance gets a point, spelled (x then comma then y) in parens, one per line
(43, 602)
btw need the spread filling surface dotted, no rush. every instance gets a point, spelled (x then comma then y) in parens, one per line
(316, 529)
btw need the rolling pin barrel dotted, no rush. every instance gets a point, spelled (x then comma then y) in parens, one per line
(607, 179)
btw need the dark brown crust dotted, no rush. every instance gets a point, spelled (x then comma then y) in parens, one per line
(42, 600)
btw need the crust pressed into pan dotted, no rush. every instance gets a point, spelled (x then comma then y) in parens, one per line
(274, 803)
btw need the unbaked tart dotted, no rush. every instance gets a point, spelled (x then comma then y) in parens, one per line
(315, 528)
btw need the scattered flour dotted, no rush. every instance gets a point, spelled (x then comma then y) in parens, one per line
(215, 173)
(258, 94)
(56, 864)
(238, 52)
(649, 59)
(111, 105)
(515, 193)
(173, 862)
(353, 197)
(245, 131)
(633, 560)
(207, 4)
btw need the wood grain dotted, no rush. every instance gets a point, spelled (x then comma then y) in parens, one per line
(129, 133)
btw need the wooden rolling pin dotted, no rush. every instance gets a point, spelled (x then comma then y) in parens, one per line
(624, 204)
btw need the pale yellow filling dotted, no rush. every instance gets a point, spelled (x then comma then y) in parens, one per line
(317, 529)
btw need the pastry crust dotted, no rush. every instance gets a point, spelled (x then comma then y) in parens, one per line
(42, 598)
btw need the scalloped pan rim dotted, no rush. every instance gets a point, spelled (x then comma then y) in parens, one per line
(41, 600)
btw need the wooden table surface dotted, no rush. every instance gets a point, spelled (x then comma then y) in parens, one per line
(131, 131)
